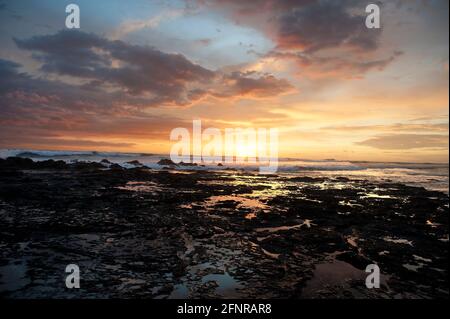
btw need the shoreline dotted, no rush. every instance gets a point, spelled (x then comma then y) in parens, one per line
(47, 154)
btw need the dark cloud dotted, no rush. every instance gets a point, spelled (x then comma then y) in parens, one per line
(246, 8)
(144, 71)
(133, 69)
(243, 84)
(326, 24)
(407, 141)
(36, 111)
(304, 29)
(335, 66)
(21, 92)
(116, 81)
(306, 25)
(7, 68)
(112, 84)
(343, 67)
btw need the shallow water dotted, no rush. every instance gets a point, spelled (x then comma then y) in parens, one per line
(13, 276)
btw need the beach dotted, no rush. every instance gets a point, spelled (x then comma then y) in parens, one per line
(176, 232)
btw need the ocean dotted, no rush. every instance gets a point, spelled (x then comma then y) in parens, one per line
(431, 176)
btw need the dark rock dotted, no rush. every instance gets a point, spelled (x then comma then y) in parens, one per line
(307, 179)
(187, 164)
(354, 259)
(18, 163)
(50, 164)
(87, 165)
(135, 162)
(167, 162)
(145, 229)
(116, 167)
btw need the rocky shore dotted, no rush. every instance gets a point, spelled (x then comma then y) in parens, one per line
(170, 233)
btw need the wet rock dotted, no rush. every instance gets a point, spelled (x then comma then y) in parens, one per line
(17, 163)
(166, 162)
(354, 259)
(116, 167)
(187, 164)
(50, 164)
(165, 290)
(87, 165)
(135, 163)
(154, 234)
(307, 179)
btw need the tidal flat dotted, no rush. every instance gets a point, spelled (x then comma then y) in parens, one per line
(168, 233)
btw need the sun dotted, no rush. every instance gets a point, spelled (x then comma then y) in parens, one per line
(244, 150)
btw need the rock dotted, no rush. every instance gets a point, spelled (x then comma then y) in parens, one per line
(165, 290)
(87, 165)
(135, 162)
(27, 163)
(342, 179)
(166, 161)
(170, 237)
(307, 179)
(50, 164)
(187, 164)
(116, 167)
(18, 163)
(354, 259)
(220, 164)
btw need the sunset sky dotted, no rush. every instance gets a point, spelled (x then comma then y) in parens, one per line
(137, 69)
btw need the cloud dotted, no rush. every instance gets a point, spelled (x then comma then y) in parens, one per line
(323, 25)
(430, 118)
(326, 38)
(304, 25)
(238, 8)
(159, 78)
(407, 141)
(131, 26)
(42, 141)
(135, 70)
(115, 85)
(400, 127)
(36, 111)
(243, 85)
(7, 68)
(80, 143)
(335, 66)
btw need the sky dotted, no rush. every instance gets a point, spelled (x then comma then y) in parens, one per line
(135, 70)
